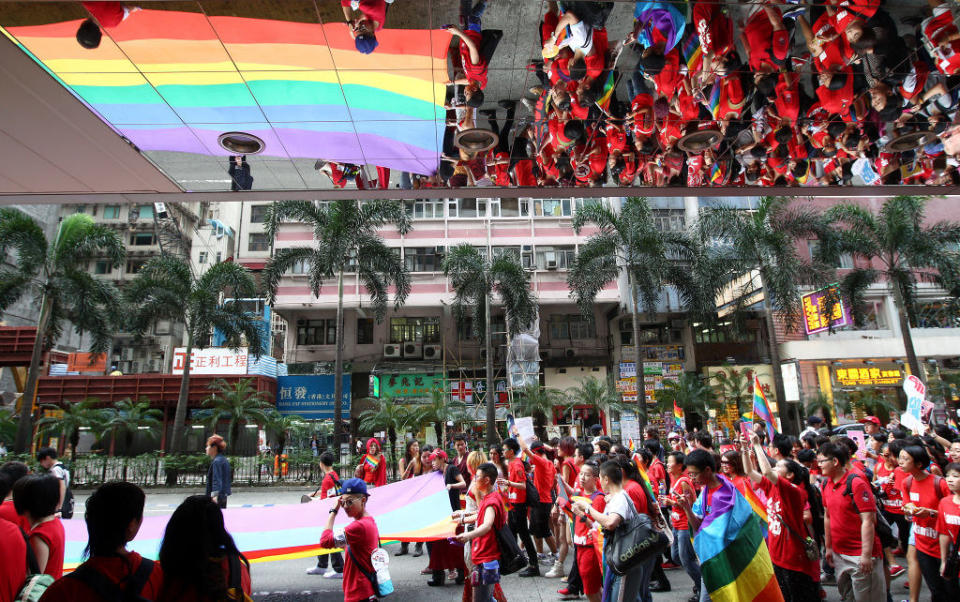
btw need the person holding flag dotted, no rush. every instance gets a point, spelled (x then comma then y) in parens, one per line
(761, 408)
(373, 467)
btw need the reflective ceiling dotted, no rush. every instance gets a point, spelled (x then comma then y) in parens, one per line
(301, 95)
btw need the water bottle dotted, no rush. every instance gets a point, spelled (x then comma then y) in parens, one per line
(380, 561)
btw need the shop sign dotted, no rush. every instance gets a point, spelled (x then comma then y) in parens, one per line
(868, 376)
(211, 360)
(410, 385)
(311, 395)
(815, 318)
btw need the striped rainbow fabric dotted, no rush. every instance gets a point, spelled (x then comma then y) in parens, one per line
(172, 80)
(734, 559)
(761, 407)
(416, 509)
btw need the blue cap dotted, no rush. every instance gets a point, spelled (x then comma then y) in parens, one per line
(366, 43)
(353, 485)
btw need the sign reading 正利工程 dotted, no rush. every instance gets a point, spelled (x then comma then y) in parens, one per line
(310, 395)
(211, 360)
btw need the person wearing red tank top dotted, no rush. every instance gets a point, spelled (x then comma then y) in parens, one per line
(948, 528)
(922, 493)
(889, 480)
(36, 498)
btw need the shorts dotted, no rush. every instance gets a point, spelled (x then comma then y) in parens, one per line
(588, 563)
(540, 519)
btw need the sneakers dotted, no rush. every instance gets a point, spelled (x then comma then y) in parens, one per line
(566, 594)
(547, 559)
(315, 570)
(530, 571)
(332, 574)
(794, 11)
(896, 570)
(556, 571)
(668, 566)
(828, 579)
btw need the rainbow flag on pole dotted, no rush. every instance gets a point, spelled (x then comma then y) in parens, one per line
(734, 559)
(761, 407)
(678, 415)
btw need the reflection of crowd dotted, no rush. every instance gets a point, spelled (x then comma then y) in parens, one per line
(827, 93)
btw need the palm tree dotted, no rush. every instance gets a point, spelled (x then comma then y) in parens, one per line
(763, 246)
(900, 248)
(54, 274)
(128, 416)
(628, 244)
(166, 289)
(8, 425)
(346, 240)
(439, 411)
(281, 426)
(476, 277)
(734, 387)
(873, 404)
(596, 394)
(823, 404)
(538, 402)
(389, 416)
(239, 402)
(690, 392)
(71, 418)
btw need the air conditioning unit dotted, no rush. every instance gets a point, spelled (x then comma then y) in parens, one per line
(413, 350)
(432, 352)
(569, 352)
(391, 350)
(155, 366)
(550, 260)
(127, 354)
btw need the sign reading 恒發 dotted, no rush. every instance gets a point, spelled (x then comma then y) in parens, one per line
(310, 395)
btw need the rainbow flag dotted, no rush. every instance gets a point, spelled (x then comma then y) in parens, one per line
(745, 487)
(604, 101)
(692, 51)
(715, 98)
(678, 415)
(734, 559)
(371, 462)
(416, 509)
(761, 407)
(174, 81)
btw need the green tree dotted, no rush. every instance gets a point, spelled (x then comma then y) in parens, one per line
(733, 386)
(626, 243)
(54, 273)
(165, 288)
(439, 411)
(596, 394)
(538, 402)
(128, 416)
(73, 417)
(390, 416)
(8, 425)
(346, 240)
(690, 392)
(281, 426)
(237, 402)
(476, 277)
(762, 246)
(901, 248)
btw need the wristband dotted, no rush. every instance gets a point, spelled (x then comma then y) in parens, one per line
(332, 511)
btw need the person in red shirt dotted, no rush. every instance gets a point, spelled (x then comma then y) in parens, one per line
(922, 493)
(329, 487)
(476, 50)
(35, 498)
(545, 481)
(849, 523)
(373, 466)
(363, 28)
(114, 513)
(889, 480)
(10, 473)
(104, 14)
(948, 527)
(681, 551)
(13, 564)
(361, 538)
(584, 534)
(490, 518)
(787, 487)
(516, 481)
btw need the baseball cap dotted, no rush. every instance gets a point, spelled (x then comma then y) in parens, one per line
(673, 435)
(439, 453)
(353, 486)
(872, 419)
(366, 43)
(812, 420)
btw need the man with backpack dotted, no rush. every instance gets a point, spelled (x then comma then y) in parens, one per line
(516, 481)
(47, 458)
(484, 550)
(851, 542)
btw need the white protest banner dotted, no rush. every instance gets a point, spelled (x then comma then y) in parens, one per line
(525, 429)
(915, 390)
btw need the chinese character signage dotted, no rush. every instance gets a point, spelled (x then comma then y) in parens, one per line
(868, 375)
(815, 318)
(410, 385)
(310, 395)
(212, 360)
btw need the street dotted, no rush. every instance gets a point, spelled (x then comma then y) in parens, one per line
(287, 580)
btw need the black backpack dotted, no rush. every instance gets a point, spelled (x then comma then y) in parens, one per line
(128, 590)
(883, 528)
(511, 558)
(67, 510)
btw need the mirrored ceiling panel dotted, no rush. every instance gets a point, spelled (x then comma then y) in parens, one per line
(324, 94)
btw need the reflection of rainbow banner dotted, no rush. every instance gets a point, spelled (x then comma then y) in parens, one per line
(416, 509)
(174, 81)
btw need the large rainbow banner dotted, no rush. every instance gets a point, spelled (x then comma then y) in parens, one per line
(174, 81)
(416, 509)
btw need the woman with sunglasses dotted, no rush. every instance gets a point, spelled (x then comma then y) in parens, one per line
(360, 537)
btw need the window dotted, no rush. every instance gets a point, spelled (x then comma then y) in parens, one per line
(422, 259)
(142, 239)
(258, 241)
(723, 332)
(258, 214)
(555, 258)
(364, 331)
(453, 207)
(579, 204)
(846, 259)
(468, 207)
(571, 326)
(425, 209)
(488, 207)
(498, 251)
(669, 220)
(302, 266)
(416, 330)
(546, 207)
(219, 256)
(162, 327)
(80, 209)
(145, 211)
(102, 267)
(111, 212)
(202, 258)
(135, 265)
(317, 332)
(510, 207)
